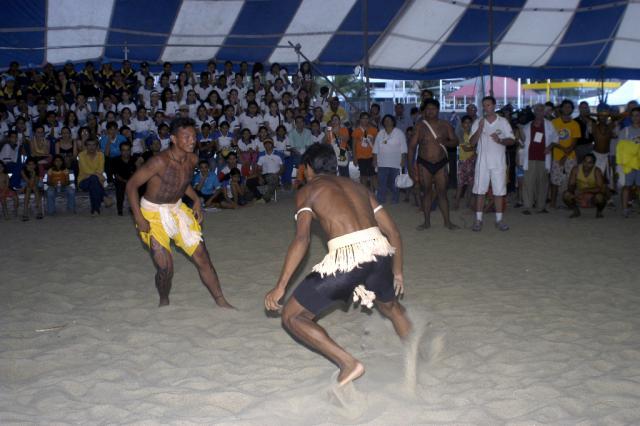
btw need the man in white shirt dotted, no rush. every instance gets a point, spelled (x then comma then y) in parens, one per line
(251, 119)
(491, 134)
(204, 88)
(270, 167)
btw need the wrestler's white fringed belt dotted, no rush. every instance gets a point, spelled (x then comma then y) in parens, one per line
(349, 251)
(174, 221)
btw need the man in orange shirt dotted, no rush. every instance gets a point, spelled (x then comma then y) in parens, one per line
(363, 137)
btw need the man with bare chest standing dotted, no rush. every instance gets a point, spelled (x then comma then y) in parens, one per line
(161, 216)
(432, 137)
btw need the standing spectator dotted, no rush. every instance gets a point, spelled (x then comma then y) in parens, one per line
(604, 131)
(539, 135)
(466, 161)
(338, 137)
(402, 121)
(564, 154)
(270, 168)
(491, 135)
(363, 141)
(32, 182)
(390, 156)
(110, 146)
(631, 134)
(299, 139)
(123, 168)
(58, 181)
(584, 145)
(91, 176)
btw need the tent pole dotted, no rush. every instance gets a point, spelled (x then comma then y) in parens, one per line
(298, 49)
(365, 39)
(491, 47)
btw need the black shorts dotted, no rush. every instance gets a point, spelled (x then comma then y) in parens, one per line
(366, 167)
(317, 294)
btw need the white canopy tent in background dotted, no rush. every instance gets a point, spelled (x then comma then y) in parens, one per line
(629, 91)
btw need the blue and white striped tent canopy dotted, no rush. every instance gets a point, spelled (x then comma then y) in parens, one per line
(405, 38)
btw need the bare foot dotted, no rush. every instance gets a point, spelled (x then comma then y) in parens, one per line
(452, 226)
(222, 302)
(350, 373)
(163, 302)
(424, 226)
(576, 213)
(599, 215)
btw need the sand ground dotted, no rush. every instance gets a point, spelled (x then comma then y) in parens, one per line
(539, 325)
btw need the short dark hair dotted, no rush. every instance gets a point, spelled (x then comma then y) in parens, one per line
(321, 158)
(430, 101)
(567, 102)
(112, 125)
(203, 161)
(489, 98)
(181, 123)
(636, 109)
(466, 118)
(590, 155)
(393, 119)
(125, 143)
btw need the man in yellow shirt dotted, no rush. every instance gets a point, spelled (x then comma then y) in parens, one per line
(564, 152)
(91, 177)
(335, 109)
(586, 187)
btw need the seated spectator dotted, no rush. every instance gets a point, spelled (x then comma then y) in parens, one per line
(32, 185)
(91, 176)
(67, 148)
(7, 192)
(240, 194)
(58, 182)
(10, 155)
(270, 168)
(123, 168)
(586, 187)
(208, 187)
(40, 149)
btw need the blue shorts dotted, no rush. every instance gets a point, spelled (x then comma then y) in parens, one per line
(632, 178)
(519, 171)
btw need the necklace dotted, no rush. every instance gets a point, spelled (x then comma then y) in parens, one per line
(174, 159)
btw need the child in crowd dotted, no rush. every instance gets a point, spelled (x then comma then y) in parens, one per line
(7, 192)
(32, 185)
(58, 182)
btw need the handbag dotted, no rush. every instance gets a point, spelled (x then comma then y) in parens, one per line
(403, 180)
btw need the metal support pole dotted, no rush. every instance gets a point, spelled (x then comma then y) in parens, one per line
(126, 51)
(365, 46)
(491, 47)
(298, 50)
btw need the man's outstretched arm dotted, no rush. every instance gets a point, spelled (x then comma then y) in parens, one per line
(389, 228)
(296, 252)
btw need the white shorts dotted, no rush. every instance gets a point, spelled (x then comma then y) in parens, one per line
(496, 177)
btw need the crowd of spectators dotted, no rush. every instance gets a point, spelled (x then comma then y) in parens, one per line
(68, 130)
